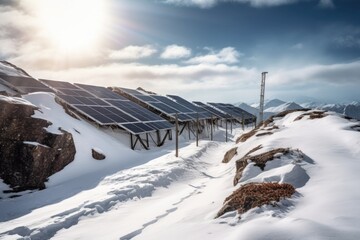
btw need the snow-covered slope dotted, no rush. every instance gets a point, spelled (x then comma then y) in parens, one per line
(178, 198)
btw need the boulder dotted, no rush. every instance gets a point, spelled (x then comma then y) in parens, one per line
(97, 154)
(28, 153)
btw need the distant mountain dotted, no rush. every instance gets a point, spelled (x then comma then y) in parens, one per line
(284, 107)
(248, 108)
(273, 103)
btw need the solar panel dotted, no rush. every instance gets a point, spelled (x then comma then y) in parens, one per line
(144, 117)
(212, 110)
(172, 104)
(58, 84)
(232, 110)
(101, 92)
(24, 84)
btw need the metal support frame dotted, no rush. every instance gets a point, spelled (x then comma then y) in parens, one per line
(161, 142)
(211, 128)
(197, 130)
(226, 134)
(138, 139)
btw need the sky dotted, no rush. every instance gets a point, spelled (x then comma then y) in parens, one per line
(207, 50)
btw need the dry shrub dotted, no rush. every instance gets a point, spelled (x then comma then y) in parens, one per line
(312, 115)
(259, 160)
(263, 134)
(229, 155)
(254, 195)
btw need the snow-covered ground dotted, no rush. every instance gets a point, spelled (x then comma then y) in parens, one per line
(154, 195)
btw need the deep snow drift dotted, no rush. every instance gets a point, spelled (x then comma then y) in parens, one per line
(154, 195)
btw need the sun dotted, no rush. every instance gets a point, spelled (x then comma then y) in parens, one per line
(72, 25)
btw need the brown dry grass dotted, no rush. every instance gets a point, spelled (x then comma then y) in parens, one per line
(253, 150)
(254, 195)
(259, 160)
(229, 155)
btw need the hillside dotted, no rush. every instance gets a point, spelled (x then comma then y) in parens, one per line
(178, 198)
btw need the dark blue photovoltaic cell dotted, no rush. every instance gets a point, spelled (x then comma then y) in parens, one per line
(173, 104)
(161, 125)
(115, 114)
(101, 92)
(70, 99)
(131, 91)
(164, 108)
(146, 98)
(90, 112)
(185, 103)
(135, 110)
(59, 84)
(73, 92)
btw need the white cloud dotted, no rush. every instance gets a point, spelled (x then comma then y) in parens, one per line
(133, 52)
(227, 55)
(254, 3)
(326, 4)
(334, 74)
(176, 52)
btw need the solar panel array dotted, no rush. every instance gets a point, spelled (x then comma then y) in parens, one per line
(231, 110)
(24, 84)
(166, 106)
(107, 108)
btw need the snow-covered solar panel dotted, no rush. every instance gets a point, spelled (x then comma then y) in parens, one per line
(24, 84)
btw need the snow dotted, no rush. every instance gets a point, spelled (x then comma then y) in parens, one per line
(154, 195)
(15, 100)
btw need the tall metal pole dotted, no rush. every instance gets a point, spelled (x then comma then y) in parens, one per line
(262, 95)
(197, 129)
(211, 125)
(177, 136)
(226, 134)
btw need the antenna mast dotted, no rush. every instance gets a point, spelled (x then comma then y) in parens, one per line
(262, 94)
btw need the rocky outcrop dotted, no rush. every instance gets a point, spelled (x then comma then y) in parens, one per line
(259, 160)
(229, 155)
(97, 155)
(28, 153)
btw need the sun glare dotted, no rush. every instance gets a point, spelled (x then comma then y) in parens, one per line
(72, 25)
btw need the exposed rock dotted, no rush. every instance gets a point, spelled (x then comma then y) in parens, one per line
(229, 155)
(263, 134)
(28, 153)
(312, 115)
(253, 195)
(97, 155)
(259, 160)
